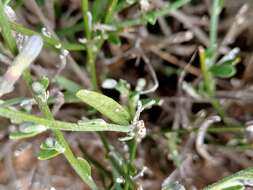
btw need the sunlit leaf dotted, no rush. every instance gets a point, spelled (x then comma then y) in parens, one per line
(48, 154)
(105, 105)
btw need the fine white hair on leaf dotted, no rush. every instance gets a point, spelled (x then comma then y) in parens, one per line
(27, 55)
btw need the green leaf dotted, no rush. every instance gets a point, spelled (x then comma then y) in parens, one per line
(134, 98)
(151, 17)
(148, 103)
(105, 105)
(84, 164)
(22, 135)
(69, 97)
(237, 187)
(225, 70)
(44, 81)
(48, 154)
(98, 10)
(114, 39)
(241, 178)
(11, 102)
(123, 87)
(67, 84)
(6, 30)
(49, 149)
(44, 146)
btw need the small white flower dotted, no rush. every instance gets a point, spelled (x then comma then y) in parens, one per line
(22, 61)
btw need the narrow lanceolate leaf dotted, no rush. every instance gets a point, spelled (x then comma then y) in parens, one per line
(105, 105)
(239, 179)
(22, 135)
(67, 84)
(48, 154)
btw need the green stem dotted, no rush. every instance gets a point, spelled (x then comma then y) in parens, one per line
(132, 150)
(59, 136)
(108, 18)
(165, 10)
(209, 83)
(216, 9)
(117, 170)
(131, 22)
(48, 40)
(92, 67)
(90, 51)
(6, 31)
(207, 77)
(60, 125)
(114, 160)
(124, 4)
